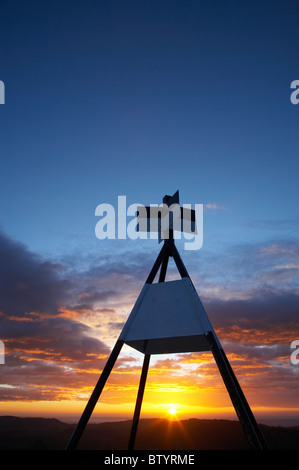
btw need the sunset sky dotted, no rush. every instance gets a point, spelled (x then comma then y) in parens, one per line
(143, 98)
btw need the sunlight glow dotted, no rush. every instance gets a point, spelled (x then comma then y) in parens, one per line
(172, 410)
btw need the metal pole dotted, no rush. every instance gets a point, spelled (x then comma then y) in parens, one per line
(163, 268)
(156, 265)
(139, 401)
(94, 396)
(243, 410)
(178, 260)
(244, 413)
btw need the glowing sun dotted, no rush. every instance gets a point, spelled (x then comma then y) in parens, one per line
(172, 410)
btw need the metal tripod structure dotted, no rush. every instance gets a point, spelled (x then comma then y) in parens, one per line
(148, 341)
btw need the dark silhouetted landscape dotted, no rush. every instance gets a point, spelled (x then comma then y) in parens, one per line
(153, 434)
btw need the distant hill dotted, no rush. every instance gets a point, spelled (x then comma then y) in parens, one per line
(153, 434)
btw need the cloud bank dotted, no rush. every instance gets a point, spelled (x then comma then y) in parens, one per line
(58, 324)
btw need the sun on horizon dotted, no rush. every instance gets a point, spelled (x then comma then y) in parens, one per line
(173, 410)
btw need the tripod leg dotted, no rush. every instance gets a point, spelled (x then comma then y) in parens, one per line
(244, 413)
(157, 265)
(163, 269)
(178, 260)
(94, 396)
(139, 401)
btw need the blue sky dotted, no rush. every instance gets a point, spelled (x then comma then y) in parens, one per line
(141, 98)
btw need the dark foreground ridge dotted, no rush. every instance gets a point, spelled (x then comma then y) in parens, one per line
(159, 434)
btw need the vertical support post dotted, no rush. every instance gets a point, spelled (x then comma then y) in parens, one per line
(163, 268)
(139, 401)
(178, 260)
(244, 413)
(94, 396)
(157, 264)
(243, 410)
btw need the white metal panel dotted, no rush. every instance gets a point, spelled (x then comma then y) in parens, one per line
(167, 317)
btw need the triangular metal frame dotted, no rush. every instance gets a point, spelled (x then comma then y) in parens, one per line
(241, 406)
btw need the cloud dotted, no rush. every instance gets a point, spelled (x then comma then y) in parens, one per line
(245, 270)
(29, 283)
(41, 345)
(265, 309)
(213, 207)
(59, 324)
(275, 224)
(280, 249)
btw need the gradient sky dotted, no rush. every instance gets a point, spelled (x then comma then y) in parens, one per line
(109, 98)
